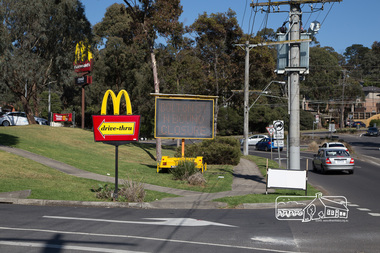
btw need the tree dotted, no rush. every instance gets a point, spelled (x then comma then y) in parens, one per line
(216, 35)
(152, 17)
(321, 84)
(35, 38)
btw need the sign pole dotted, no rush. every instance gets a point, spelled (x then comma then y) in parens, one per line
(116, 172)
(83, 95)
(183, 148)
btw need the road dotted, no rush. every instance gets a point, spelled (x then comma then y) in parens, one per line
(64, 229)
(362, 188)
(74, 229)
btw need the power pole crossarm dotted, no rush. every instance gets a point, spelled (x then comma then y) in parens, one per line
(276, 3)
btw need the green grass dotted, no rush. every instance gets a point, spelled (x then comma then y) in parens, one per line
(77, 148)
(265, 198)
(18, 173)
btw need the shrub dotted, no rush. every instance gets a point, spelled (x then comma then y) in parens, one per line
(183, 170)
(216, 151)
(129, 192)
(197, 179)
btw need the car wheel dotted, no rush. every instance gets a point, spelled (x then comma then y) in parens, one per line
(314, 168)
(6, 123)
(266, 148)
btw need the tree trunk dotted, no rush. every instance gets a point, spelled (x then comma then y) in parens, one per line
(156, 90)
(27, 110)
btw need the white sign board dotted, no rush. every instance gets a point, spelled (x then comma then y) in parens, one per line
(289, 179)
(278, 126)
(278, 143)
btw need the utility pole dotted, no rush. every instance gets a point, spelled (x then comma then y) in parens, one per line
(294, 71)
(247, 47)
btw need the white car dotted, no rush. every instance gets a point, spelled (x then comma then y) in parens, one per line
(18, 119)
(254, 139)
(335, 145)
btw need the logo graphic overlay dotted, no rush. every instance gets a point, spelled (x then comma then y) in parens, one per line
(306, 209)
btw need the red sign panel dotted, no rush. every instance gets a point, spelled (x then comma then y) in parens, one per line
(116, 127)
(83, 66)
(63, 117)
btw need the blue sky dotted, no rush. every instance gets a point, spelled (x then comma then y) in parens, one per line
(343, 24)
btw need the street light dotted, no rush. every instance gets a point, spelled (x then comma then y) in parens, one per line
(49, 102)
(246, 110)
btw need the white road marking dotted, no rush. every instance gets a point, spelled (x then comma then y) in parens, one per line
(353, 205)
(274, 240)
(145, 238)
(64, 247)
(184, 222)
(374, 214)
(364, 209)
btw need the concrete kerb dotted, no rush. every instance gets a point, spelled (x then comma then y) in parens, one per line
(247, 180)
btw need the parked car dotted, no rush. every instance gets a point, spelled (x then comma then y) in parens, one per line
(372, 131)
(358, 123)
(254, 139)
(19, 119)
(333, 159)
(337, 145)
(267, 144)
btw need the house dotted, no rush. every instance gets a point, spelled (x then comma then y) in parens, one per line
(322, 208)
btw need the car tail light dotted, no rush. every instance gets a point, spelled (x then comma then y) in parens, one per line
(352, 160)
(164, 163)
(269, 143)
(328, 161)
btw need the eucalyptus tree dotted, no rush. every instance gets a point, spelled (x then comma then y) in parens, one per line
(122, 64)
(38, 41)
(150, 19)
(216, 36)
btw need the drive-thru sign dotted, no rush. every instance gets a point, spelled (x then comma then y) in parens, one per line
(116, 129)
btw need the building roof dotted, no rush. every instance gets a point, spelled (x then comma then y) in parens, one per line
(371, 89)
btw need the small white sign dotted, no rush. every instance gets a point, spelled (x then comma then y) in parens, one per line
(278, 126)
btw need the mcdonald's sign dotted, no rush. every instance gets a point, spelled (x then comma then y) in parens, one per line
(116, 128)
(83, 58)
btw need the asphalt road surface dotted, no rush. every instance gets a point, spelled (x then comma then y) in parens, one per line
(64, 229)
(74, 229)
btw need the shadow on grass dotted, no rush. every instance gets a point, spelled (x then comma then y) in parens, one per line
(8, 140)
(145, 147)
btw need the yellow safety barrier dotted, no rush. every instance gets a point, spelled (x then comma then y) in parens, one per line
(171, 162)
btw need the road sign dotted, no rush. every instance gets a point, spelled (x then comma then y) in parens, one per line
(270, 130)
(278, 125)
(116, 127)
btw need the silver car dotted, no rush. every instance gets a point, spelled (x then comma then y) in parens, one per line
(254, 139)
(333, 159)
(19, 119)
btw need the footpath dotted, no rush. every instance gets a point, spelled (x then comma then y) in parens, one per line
(247, 180)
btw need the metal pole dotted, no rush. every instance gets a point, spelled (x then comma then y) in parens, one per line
(83, 95)
(246, 99)
(294, 124)
(49, 107)
(116, 172)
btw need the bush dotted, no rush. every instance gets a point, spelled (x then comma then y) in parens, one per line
(216, 151)
(375, 121)
(183, 170)
(197, 179)
(129, 192)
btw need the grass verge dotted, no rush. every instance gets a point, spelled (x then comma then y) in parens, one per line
(261, 162)
(19, 173)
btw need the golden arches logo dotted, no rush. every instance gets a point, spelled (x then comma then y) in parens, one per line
(116, 102)
(82, 52)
